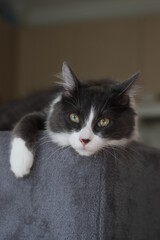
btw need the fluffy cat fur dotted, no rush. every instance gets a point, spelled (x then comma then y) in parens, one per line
(86, 115)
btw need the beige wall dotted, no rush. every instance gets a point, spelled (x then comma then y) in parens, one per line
(8, 43)
(115, 48)
(92, 49)
(150, 52)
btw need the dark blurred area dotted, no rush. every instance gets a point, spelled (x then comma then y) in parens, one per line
(112, 38)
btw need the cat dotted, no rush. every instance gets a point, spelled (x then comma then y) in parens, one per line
(86, 115)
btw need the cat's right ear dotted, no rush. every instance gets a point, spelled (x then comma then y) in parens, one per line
(70, 82)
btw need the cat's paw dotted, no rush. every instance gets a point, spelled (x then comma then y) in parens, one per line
(21, 158)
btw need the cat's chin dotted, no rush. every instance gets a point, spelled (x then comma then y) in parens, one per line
(84, 152)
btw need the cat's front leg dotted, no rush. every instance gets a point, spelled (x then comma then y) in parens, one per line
(24, 139)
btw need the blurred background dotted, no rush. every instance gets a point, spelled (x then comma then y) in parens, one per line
(98, 38)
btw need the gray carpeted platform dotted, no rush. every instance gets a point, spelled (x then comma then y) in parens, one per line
(111, 196)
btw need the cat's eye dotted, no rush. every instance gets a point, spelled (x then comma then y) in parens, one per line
(103, 122)
(74, 118)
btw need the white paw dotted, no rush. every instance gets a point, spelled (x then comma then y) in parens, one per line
(21, 159)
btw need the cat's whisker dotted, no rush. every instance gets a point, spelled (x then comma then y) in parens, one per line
(124, 156)
(43, 138)
(65, 149)
(116, 159)
(107, 150)
(124, 151)
(43, 143)
(52, 154)
(130, 149)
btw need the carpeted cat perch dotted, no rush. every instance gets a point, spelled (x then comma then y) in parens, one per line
(113, 195)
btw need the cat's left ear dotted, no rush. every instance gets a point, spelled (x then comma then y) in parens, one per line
(127, 89)
(70, 82)
(128, 85)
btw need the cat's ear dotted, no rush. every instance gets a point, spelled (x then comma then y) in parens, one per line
(128, 85)
(127, 89)
(70, 82)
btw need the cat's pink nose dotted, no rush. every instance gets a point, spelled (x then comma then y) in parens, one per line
(84, 141)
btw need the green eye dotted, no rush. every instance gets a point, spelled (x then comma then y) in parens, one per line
(74, 118)
(103, 122)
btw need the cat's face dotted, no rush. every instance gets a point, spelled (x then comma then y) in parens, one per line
(92, 115)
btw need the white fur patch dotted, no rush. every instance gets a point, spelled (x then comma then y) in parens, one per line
(96, 143)
(87, 132)
(62, 139)
(56, 100)
(21, 159)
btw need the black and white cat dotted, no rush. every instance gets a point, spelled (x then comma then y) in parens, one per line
(88, 116)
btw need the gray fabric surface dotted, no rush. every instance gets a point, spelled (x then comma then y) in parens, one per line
(112, 195)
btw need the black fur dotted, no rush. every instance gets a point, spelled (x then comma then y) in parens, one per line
(12, 112)
(27, 128)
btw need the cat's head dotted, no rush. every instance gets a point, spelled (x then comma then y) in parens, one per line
(92, 115)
